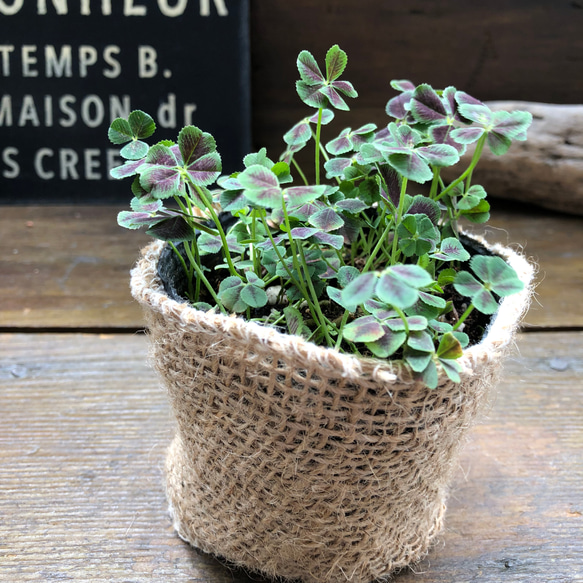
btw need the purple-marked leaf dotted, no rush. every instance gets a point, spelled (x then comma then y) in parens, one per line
(451, 105)
(402, 85)
(254, 279)
(160, 155)
(398, 106)
(463, 98)
(449, 347)
(257, 177)
(336, 295)
(254, 296)
(303, 232)
(138, 191)
(340, 145)
(466, 135)
(440, 327)
(172, 229)
(496, 272)
(327, 117)
(336, 61)
(421, 341)
(346, 274)
(344, 87)
(431, 300)
(361, 289)
(142, 125)
(295, 321)
(298, 135)
(394, 291)
(498, 143)
(484, 302)
(128, 169)
(135, 150)
(387, 344)
(135, 220)
(466, 284)
(334, 97)
(260, 158)
(392, 181)
(411, 166)
(480, 114)
(452, 369)
(309, 70)
(417, 360)
(335, 241)
(423, 205)
(441, 134)
(230, 294)
(430, 375)
(299, 195)
(205, 170)
(352, 205)
(414, 323)
(337, 166)
(439, 154)
(195, 144)
(305, 211)
(161, 181)
(513, 124)
(365, 329)
(146, 205)
(451, 250)
(326, 220)
(311, 95)
(370, 154)
(426, 105)
(413, 275)
(213, 243)
(350, 229)
(232, 200)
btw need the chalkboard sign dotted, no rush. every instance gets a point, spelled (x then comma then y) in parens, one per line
(69, 67)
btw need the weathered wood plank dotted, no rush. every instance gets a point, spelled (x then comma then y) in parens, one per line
(66, 266)
(84, 430)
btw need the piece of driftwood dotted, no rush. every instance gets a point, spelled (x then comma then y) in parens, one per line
(547, 169)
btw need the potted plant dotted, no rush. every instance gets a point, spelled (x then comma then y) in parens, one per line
(325, 346)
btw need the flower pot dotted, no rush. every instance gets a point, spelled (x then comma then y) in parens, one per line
(301, 462)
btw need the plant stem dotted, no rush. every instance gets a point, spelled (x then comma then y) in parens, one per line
(398, 220)
(377, 248)
(318, 131)
(187, 271)
(297, 167)
(463, 317)
(341, 331)
(435, 182)
(469, 169)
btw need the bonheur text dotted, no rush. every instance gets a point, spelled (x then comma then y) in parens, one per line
(170, 8)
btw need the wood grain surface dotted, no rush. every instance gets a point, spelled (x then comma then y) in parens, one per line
(68, 267)
(83, 432)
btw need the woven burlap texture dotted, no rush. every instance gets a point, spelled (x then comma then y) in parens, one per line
(300, 462)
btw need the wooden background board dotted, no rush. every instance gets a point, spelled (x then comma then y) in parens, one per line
(530, 50)
(68, 267)
(84, 428)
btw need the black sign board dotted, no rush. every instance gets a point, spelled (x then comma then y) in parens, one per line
(69, 67)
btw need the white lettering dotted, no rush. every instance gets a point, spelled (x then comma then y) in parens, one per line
(172, 11)
(38, 164)
(58, 66)
(60, 5)
(147, 66)
(48, 111)
(10, 10)
(88, 103)
(130, 10)
(167, 112)
(87, 58)
(189, 109)
(108, 53)
(13, 167)
(28, 60)
(205, 8)
(28, 112)
(6, 111)
(119, 109)
(105, 7)
(68, 160)
(5, 51)
(71, 118)
(91, 163)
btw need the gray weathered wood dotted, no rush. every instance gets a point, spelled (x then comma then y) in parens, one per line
(547, 169)
(84, 428)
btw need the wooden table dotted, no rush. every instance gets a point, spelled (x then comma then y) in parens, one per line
(84, 425)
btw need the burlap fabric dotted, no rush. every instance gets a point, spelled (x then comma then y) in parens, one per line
(301, 462)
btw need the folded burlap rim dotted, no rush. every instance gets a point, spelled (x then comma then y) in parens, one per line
(147, 288)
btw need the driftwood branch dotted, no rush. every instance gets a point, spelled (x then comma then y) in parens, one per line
(547, 169)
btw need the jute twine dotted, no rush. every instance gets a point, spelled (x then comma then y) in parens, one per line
(300, 462)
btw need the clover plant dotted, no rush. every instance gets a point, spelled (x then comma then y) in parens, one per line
(359, 262)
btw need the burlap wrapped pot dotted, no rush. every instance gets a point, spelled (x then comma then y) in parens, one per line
(300, 462)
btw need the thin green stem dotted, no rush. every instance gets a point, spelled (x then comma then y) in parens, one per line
(318, 131)
(463, 317)
(341, 331)
(187, 271)
(398, 221)
(435, 182)
(297, 167)
(377, 248)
